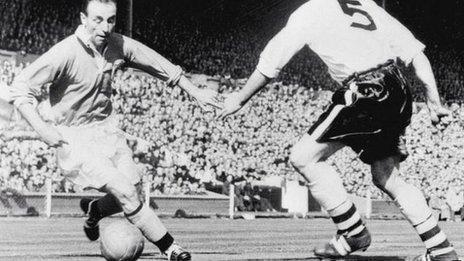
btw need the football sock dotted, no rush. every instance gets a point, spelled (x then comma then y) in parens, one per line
(325, 185)
(327, 188)
(412, 204)
(434, 239)
(151, 227)
(409, 199)
(165, 242)
(347, 219)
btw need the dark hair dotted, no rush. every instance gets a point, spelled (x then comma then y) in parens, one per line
(85, 4)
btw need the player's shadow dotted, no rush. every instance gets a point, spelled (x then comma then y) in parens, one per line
(156, 256)
(363, 258)
(351, 258)
(76, 255)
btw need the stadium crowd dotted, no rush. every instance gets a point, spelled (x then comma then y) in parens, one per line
(183, 149)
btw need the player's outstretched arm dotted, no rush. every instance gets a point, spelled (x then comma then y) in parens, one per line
(148, 60)
(424, 72)
(204, 97)
(277, 53)
(235, 101)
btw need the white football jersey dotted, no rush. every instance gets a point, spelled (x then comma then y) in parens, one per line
(348, 35)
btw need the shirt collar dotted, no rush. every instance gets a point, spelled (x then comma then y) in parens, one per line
(82, 34)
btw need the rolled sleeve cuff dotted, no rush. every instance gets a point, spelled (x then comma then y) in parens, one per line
(175, 77)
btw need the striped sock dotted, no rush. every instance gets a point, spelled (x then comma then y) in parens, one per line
(347, 219)
(434, 239)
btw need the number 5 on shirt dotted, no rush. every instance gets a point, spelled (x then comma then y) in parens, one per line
(352, 10)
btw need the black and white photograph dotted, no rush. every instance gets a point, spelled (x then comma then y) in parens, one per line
(246, 130)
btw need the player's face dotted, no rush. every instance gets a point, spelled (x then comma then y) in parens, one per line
(99, 21)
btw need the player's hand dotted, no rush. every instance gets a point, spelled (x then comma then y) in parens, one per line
(231, 105)
(206, 98)
(52, 137)
(439, 114)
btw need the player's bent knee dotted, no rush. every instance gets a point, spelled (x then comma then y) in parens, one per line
(308, 152)
(300, 158)
(126, 193)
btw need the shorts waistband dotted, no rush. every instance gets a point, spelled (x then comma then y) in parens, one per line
(356, 75)
(110, 121)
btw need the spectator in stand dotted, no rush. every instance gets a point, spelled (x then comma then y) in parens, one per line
(455, 199)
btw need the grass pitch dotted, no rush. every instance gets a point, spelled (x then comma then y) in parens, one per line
(215, 239)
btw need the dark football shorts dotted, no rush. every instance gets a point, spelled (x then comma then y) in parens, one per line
(369, 114)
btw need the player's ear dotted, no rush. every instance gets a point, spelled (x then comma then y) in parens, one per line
(83, 18)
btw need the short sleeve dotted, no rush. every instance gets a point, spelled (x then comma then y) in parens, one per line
(283, 46)
(403, 43)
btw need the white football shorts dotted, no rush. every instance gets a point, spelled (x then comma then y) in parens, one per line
(95, 154)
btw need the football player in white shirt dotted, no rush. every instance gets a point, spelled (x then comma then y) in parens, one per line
(360, 43)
